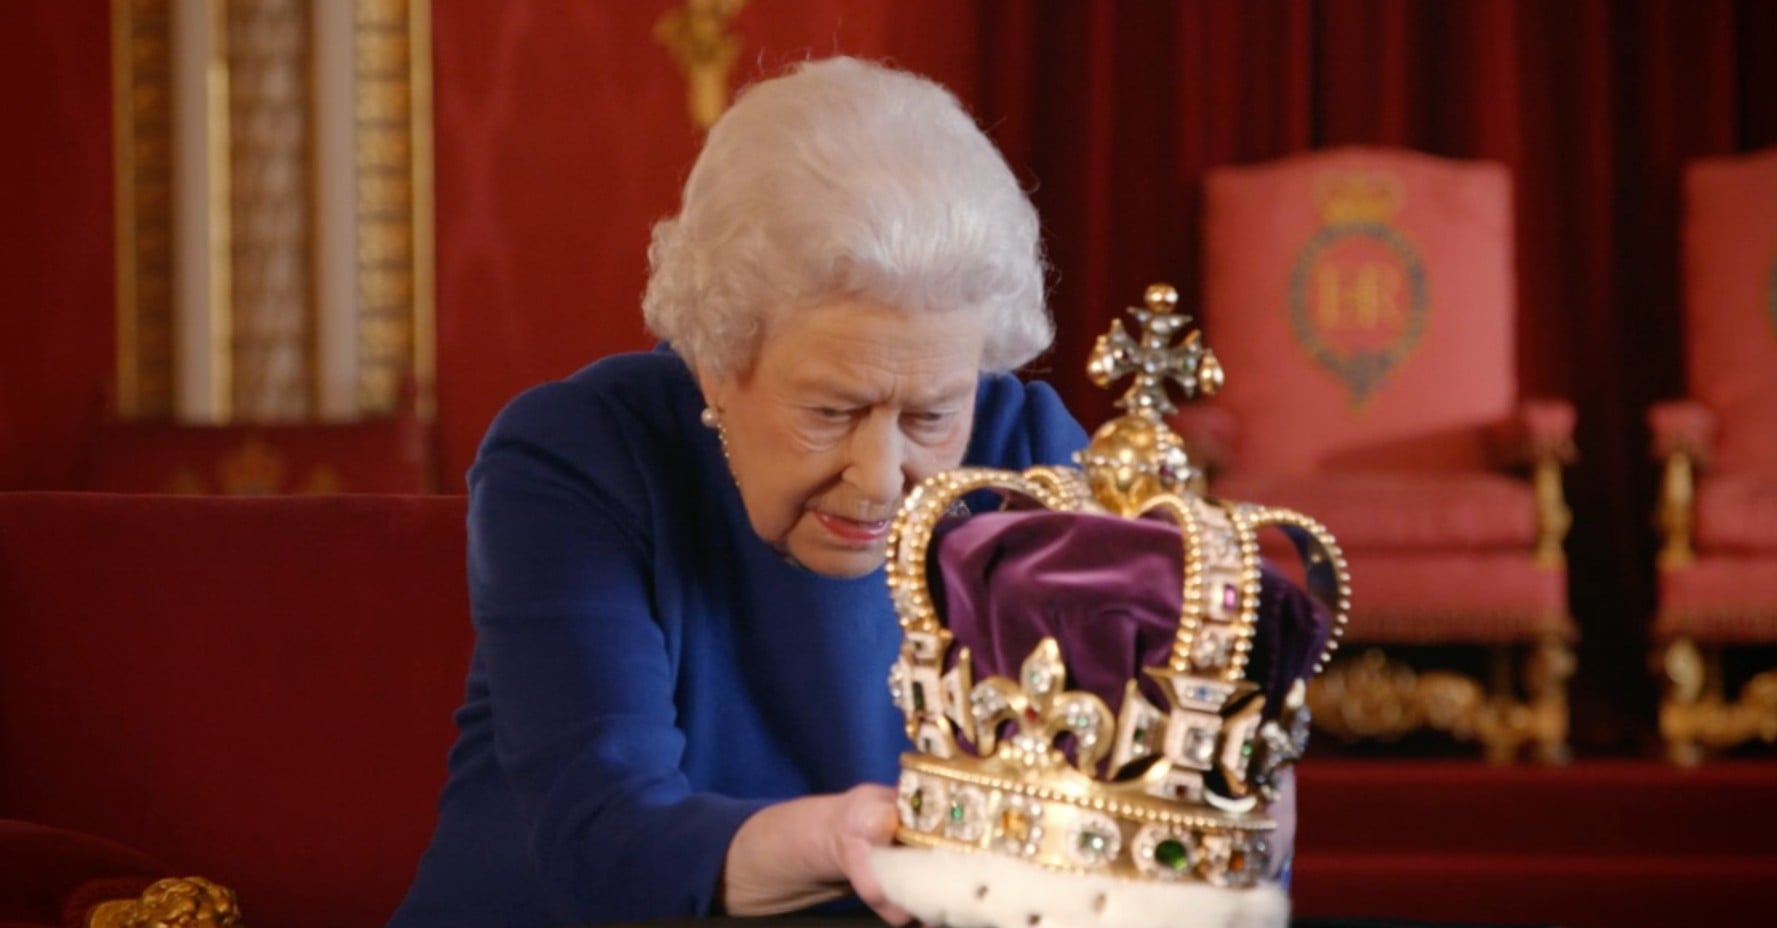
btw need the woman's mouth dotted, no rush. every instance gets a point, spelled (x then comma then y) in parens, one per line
(851, 530)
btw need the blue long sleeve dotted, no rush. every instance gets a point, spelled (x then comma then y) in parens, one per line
(647, 672)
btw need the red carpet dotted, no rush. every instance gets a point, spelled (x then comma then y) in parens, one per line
(1599, 844)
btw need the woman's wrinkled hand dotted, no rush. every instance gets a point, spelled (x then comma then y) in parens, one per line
(807, 851)
(864, 817)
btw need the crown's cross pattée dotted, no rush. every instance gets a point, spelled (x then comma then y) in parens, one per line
(1153, 358)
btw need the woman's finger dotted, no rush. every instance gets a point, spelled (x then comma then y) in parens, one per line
(867, 820)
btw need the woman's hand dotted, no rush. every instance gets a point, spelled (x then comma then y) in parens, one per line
(866, 818)
(807, 851)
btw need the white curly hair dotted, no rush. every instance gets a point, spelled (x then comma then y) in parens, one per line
(845, 179)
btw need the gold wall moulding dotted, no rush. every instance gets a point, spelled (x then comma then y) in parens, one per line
(142, 154)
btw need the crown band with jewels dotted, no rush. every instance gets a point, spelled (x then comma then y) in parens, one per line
(1031, 770)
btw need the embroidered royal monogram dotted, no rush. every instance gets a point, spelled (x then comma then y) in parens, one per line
(1358, 297)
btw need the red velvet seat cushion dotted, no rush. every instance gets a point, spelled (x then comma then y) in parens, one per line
(1406, 598)
(1724, 599)
(1475, 510)
(1737, 513)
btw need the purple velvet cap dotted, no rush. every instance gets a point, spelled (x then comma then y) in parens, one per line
(1108, 589)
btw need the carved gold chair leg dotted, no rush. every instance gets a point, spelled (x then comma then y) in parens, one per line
(1371, 696)
(1695, 714)
(1683, 673)
(1547, 668)
(1502, 725)
(1538, 719)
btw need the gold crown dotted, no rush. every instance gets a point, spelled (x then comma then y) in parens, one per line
(1162, 793)
(1358, 196)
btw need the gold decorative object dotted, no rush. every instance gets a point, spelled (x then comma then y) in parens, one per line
(189, 902)
(253, 469)
(1553, 517)
(1696, 713)
(394, 186)
(142, 143)
(1372, 696)
(697, 36)
(1157, 794)
(1677, 491)
(1696, 716)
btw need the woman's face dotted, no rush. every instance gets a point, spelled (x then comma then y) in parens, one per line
(846, 408)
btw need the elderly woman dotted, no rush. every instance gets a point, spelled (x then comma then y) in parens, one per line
(676, 702)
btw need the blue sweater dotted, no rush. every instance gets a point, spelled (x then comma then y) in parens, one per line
(647, 672)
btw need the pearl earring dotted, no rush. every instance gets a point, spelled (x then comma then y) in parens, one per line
(712, 419)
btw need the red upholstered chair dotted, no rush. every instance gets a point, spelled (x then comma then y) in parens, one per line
(384, 455)
(1362, 303)
(257, 691)
(1718, 508)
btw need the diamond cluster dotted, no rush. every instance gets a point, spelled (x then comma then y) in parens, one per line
(936, 809)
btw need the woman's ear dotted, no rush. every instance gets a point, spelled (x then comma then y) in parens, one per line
(716, 388)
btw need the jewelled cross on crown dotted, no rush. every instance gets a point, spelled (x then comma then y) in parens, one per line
(1153, 358)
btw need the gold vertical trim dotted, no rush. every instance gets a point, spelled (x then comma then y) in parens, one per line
(123, 164)
(221, 283)
(384, 202)
(425, 349)
(142, 146)
(392, 137)
(311, 345)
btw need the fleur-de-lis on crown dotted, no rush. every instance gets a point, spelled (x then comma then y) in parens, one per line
(1153, 358)
(1042, 711)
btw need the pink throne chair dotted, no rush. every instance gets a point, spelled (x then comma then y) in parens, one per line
(1364, 299)
(1718, 505)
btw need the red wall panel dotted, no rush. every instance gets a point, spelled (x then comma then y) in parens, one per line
(57, 312)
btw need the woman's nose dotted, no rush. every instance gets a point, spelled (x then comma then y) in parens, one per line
(877, 469)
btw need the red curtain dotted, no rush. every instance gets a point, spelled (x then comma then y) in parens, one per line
(1114, 111)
